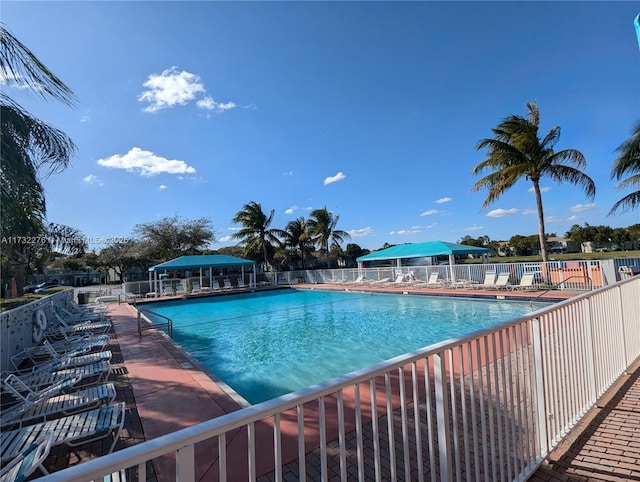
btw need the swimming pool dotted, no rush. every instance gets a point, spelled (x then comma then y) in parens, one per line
(266, 344)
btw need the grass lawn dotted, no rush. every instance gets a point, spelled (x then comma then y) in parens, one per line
(560, 257)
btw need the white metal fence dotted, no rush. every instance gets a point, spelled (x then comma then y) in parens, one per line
(562, 275)
(489, 406)
(572, 275)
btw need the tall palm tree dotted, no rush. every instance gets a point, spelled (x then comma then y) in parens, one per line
(27, 145)
(297, 236)
(255, 233)
(322, 226)
(516, 152)
(628, 164)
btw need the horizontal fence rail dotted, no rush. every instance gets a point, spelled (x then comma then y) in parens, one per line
(489, 406)
(563, 275)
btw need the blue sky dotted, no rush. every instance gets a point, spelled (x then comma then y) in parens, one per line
(372, 109)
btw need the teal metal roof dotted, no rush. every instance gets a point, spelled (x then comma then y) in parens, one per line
(203, 261)
(422, 250)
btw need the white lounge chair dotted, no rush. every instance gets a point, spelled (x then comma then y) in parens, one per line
(28, 461)
(68, 360)
(54, 351)
(240, 283)
(399, 281)
(502, 282)
(434, 281)
(489, 280)
(380, 282)
(359, 280)
(59, 325)
(179, 289)
(53, 403)
(167, 289)
(195, 287)
(91, 374)
(48, 406)
(24, 397)
(527, 283)
(76, 316)
(72, 430)
(216, 285)
(227, 284)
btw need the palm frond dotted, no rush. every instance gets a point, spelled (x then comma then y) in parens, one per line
(627, 203)
(567, 174)
(19, 64)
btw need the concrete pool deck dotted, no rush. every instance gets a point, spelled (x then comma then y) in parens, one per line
(168, 391)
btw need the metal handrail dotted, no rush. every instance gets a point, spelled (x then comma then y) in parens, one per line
(590, 283)
(168, 324)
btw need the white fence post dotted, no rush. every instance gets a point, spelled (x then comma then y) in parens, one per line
(538, 377)
(442, 417)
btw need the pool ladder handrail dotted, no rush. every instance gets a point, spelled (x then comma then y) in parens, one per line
(168, 324)
(589, 283)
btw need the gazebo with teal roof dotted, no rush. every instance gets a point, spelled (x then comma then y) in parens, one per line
(427, 249)
(200, 262)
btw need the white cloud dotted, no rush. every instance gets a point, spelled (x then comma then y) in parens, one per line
(146, 163)
(162, 187)
(359, 233)
(92, 179)
(225, 239)
(528, 212)
(580, 208)
(291, 210)
(542, 189)
(288, 173)
(209, 104)
(443, 200)
(404, 232)
(174, 87)
(474, 228)
(338, 177)
(84, 118)
(500, 213)
(429, 212)
(170, 88)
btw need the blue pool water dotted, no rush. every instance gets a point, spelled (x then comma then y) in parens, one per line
(264, 345)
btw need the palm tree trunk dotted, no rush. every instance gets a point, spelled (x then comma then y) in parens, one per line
(541, 230)
(326, 247)
(19, 261)
(264, 254)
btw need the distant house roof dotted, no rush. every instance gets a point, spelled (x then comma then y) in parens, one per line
(422, 250)
(202, 261)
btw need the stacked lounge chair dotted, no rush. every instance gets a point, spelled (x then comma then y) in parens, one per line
(60, 395)
(72, 430)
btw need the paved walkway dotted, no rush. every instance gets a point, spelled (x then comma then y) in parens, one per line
(605, 445)
(165, 390)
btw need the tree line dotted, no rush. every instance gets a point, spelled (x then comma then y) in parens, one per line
(600, 236)
(303, 243)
